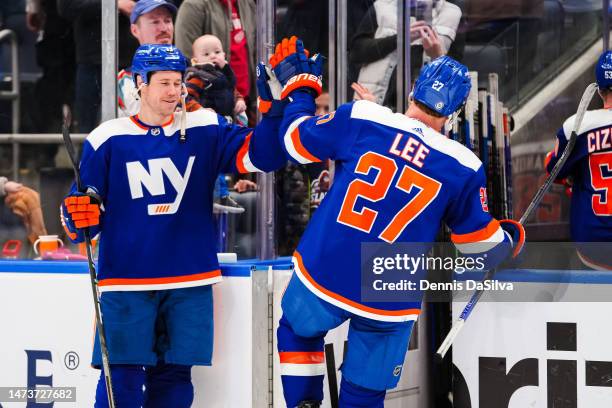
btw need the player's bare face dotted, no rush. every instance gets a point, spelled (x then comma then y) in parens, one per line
(163, 93)
(154, 27)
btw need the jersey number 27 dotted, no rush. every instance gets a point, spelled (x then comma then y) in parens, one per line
(364, 219)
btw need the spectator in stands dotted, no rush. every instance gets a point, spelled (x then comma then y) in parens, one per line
(25, 204)
(151, 23)
(232, 21)
(308, 20)
(209, 64)
(513, 24)
(85, 16)
(374, 45)
(215, 88)
(55, 56)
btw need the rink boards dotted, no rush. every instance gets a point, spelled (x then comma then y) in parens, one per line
(510, 354)
(555, 351)
(47, 325)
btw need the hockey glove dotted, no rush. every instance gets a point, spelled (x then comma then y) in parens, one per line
(294, 69)
(517, 233)
(79, 211)
(269, 102)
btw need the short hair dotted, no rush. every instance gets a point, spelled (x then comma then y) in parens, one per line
(427, 109)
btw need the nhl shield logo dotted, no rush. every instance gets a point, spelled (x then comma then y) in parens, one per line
(155, 131)
(397, 371)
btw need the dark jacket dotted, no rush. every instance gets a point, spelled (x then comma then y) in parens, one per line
(86, 18)
(219, 85)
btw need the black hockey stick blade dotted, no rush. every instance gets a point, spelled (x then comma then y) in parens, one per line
(67, 119)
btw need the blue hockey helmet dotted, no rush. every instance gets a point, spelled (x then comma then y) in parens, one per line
(150, 58)
(443, 85)
(603, 70)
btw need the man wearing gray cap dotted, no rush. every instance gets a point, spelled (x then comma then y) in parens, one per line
(151, 23)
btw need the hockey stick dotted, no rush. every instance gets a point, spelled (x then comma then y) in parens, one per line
(90, 262)
(469, 307)
(332, 380)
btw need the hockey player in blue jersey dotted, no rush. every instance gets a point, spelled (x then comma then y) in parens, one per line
(397, 179)
(589, 171)
(149, 180)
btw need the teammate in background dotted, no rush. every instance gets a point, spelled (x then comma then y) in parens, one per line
(589, 172)
(381, 157)
(149, 181)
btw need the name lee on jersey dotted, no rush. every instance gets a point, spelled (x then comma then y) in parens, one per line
(409, 149)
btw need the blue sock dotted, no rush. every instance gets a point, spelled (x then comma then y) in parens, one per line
(306, 383)
(127, 386)
(168, 385)
(354, 396)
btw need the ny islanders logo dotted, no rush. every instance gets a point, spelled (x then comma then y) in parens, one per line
(153, 181)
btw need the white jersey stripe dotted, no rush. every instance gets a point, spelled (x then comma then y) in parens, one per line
(302, 370)
(349, 308)
(289, 143)
(373, 112)
(484, 245)
(248, 164)
(160, 286)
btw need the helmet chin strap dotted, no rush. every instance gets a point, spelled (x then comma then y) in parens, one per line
(453, 118)
(183, 131)
(136, 91)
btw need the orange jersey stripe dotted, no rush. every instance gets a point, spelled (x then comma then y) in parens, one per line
(153, 281)
(242, 152)
(299, 147)
(477, 236)
(301, 357)
(349, 302)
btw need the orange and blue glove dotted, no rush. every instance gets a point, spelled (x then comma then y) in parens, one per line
(294, 69)
(517, 233)
(78, 212)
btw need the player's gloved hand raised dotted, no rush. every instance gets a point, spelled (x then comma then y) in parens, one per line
(517, 233)
(269, 101)
(79, 211)
(294, 69)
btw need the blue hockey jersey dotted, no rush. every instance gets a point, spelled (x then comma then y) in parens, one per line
(590, 167)
(157, 229)
(396, 180)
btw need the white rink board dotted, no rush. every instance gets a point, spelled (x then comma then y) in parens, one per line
(517, 331)
(53, 312)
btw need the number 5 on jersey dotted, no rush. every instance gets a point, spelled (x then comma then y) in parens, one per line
(386, 168)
